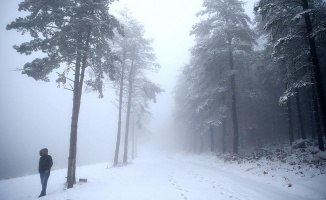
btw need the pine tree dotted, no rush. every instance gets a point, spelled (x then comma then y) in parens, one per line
(293, 36)
(77, 33)
(142, 59)
(135, 89)
(226, 26)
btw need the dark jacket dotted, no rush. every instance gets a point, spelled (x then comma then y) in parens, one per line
(45, 163)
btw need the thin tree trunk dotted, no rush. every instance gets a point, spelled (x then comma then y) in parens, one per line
(233, 99)
(117, 145)
(317, 120)
(211, 129)
(257, 132)
(133, 134)
(311, 115)
(201, 148)
(289, 110)
(223, 128)
(301, 124)
(78, 86)
(194, 142)
(136, 144)
(125, 155)
(71, 179)
(290, 122)
(321, 99)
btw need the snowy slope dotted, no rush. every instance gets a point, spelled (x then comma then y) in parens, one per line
(167, 177)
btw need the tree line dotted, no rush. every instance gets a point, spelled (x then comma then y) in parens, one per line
(85, 46)
(255, 82)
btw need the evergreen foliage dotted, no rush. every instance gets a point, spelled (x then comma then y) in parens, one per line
(229, 84)
(134, 88)
(77, 33)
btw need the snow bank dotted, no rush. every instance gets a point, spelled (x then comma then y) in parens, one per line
(179, 177)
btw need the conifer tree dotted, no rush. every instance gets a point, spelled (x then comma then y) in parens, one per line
(226, 27)
(135, 89)
(77, 33)
(293, 36)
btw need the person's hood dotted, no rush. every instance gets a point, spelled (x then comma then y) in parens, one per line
(44, 152)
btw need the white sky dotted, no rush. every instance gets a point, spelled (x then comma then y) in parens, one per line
(35, 114)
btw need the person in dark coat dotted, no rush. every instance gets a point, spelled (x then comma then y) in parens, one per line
(44, 168)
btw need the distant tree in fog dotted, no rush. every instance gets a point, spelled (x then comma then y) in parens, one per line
(226, 32)
(137, 58)
(144, 91)
(226, 77)
(77, 33)
(120, 76)
(282, 57)
(198, 99)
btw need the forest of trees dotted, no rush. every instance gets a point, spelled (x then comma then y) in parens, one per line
(256, 82)
(83, 43)
(248, 83)
(137, 57)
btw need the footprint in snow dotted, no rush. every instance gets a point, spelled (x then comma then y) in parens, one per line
(184, 196)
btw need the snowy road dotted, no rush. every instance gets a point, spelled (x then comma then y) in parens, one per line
(152, 178)
(162, 179)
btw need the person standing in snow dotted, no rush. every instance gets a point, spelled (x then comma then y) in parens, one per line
(44, 168)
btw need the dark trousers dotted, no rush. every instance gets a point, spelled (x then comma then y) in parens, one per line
(44, 181)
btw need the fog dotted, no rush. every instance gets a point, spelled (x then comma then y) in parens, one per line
(36, 114)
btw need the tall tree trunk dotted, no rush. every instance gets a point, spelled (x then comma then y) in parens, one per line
(117, 145)
(311, 116)
(290, 122)
(77, 93)
(301, 124)
(312, 125)
(201, 148)
(133, 134)
(257, 132)
(211, 129)
(136, 143)
(71, 179)
(223, 127)
(125, 155)
(194, 147)
(233, 99)
(315, 62)
(289, 109)
(317, 120)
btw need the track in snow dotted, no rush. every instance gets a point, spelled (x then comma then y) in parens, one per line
(151, 177)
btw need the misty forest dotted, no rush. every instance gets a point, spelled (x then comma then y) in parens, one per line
(248, 112)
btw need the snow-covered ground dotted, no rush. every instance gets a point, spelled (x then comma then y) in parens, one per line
(174, 177)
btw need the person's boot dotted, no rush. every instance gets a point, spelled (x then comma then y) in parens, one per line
(41, 195)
